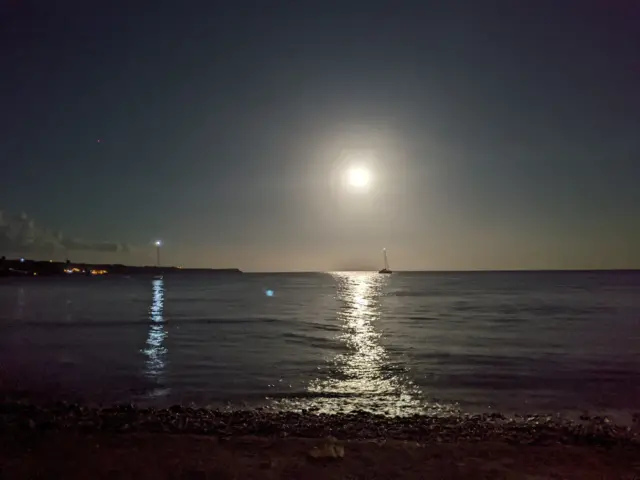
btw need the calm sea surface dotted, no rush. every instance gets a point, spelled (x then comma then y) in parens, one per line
(397, 344)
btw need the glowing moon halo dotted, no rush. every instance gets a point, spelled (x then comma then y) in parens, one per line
(358, 177)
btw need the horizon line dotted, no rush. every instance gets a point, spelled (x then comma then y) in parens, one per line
(481, 270)
(512, 270)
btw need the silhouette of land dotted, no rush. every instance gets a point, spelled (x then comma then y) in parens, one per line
(33, 268)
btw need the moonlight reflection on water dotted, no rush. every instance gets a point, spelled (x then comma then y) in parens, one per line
(156, 352)
(363, 377)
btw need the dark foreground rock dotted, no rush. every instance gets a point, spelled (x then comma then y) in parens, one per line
(77, 456)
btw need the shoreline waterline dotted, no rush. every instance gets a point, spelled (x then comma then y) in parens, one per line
(529, 429)
(74, 441)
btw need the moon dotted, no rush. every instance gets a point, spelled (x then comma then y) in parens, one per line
(359, 177)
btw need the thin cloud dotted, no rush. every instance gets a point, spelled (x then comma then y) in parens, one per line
(20, 234)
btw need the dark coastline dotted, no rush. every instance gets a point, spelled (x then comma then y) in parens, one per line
(18, 268)
(74, 441)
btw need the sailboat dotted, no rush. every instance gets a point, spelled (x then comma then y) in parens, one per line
(386, 263)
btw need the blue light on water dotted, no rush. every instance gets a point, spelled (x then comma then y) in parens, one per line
(269, 293)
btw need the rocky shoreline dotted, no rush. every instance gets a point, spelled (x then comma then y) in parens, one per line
(75, 441)
(529, 430)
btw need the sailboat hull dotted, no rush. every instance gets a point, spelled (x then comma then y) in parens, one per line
(385, 270)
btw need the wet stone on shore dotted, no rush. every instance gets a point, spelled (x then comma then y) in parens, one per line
(533, 429)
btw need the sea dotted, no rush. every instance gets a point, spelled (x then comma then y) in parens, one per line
(437, 343)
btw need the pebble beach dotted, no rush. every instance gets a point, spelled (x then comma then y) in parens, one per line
(64, 440)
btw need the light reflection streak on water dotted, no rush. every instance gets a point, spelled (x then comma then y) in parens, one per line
(20, 303)
(156, 352)
(363, 377)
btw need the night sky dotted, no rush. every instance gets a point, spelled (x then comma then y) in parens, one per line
(499, 135)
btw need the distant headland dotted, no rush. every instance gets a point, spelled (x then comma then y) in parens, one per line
(22, 267)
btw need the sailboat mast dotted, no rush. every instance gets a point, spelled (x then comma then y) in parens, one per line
(386, 262)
